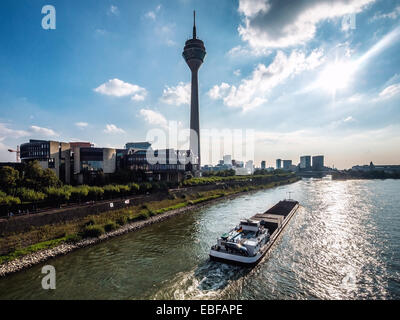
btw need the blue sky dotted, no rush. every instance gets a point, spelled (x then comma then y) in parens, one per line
(304, 78)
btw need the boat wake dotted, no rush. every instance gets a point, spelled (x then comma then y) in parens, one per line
(207, 281)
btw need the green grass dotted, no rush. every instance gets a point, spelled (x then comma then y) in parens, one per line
(31, 249)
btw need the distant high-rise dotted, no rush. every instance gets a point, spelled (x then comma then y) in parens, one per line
(305, 162)
(250, 166)
(194, 53)
(318, 163)
(263, 165)
(278, 164)
(287, 164)
(228, 160)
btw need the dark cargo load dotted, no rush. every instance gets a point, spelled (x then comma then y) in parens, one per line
(283, 207)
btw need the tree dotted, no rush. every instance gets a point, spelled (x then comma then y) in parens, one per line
(49, 179)
(9, 178)
(37, 178)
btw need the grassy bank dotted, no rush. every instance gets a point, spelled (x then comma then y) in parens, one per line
(38, 238)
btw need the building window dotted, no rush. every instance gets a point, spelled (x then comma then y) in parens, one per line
(52, 163)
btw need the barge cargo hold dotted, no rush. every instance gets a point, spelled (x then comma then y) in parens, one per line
(248, 242)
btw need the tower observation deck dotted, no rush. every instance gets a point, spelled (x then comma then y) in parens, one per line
(194, 53)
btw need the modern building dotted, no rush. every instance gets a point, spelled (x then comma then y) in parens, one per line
(138, 145)
(318, 163)
(278, 164)
(92, 161)
(237, 163)
(287, 164)
(160, 165)
(227, 160)
(80, 145)
(250, 166)
(52, 155)
(194, 53)
(242, 171)
(305, 162)
(263, 165)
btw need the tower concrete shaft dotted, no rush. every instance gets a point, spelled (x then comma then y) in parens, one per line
(194, 53)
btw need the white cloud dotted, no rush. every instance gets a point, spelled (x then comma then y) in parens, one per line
(153, 14)
(81, 124)
(278, 24)
(245, 51)
(112, 128)
(253, 91)
(237, 72)
(166, 33)
(342, 122)
(349, 119)
(113, 10)
(119, 88)
(154, 118)
(177, 95)
(43, 131)
(219, 91)
(5, 132)
(391, 15)
(100, 32)
(390, 91)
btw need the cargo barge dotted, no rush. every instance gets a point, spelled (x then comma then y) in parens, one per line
(248, 242)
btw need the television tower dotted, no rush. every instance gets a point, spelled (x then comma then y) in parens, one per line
(194, 53)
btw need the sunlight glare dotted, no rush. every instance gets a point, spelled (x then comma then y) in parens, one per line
(336, 76)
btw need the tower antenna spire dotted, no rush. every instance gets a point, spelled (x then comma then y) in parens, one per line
(194, 24)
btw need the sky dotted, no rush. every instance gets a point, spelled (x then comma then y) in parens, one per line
(308, 77)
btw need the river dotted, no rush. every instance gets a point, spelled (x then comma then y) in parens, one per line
(343, 243)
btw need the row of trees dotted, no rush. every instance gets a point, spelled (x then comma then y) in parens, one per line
(216, 179)
(222, 173)
(34, 185)
(371, 174)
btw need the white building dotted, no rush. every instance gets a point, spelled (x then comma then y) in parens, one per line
(250, 166)
(242, 171)
(228, 160)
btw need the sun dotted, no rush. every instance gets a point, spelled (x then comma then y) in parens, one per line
(336, 76)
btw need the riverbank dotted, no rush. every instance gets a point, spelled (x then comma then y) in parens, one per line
(14, 262)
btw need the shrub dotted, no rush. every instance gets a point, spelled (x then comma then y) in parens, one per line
(72, 238)
(91, 222)
(122, 221)
(59, 195)
(92, 231)
(95, 193)
(110, 226)
(79, 193)
(145, 187)
(30, 195)
(110, 191)
(143, 215)
(172, 196)
(134, 188)
(124, 190)
(9, 201)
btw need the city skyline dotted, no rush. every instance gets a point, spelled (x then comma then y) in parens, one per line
(328, 87)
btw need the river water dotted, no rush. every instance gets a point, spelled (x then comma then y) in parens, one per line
(343, 243)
